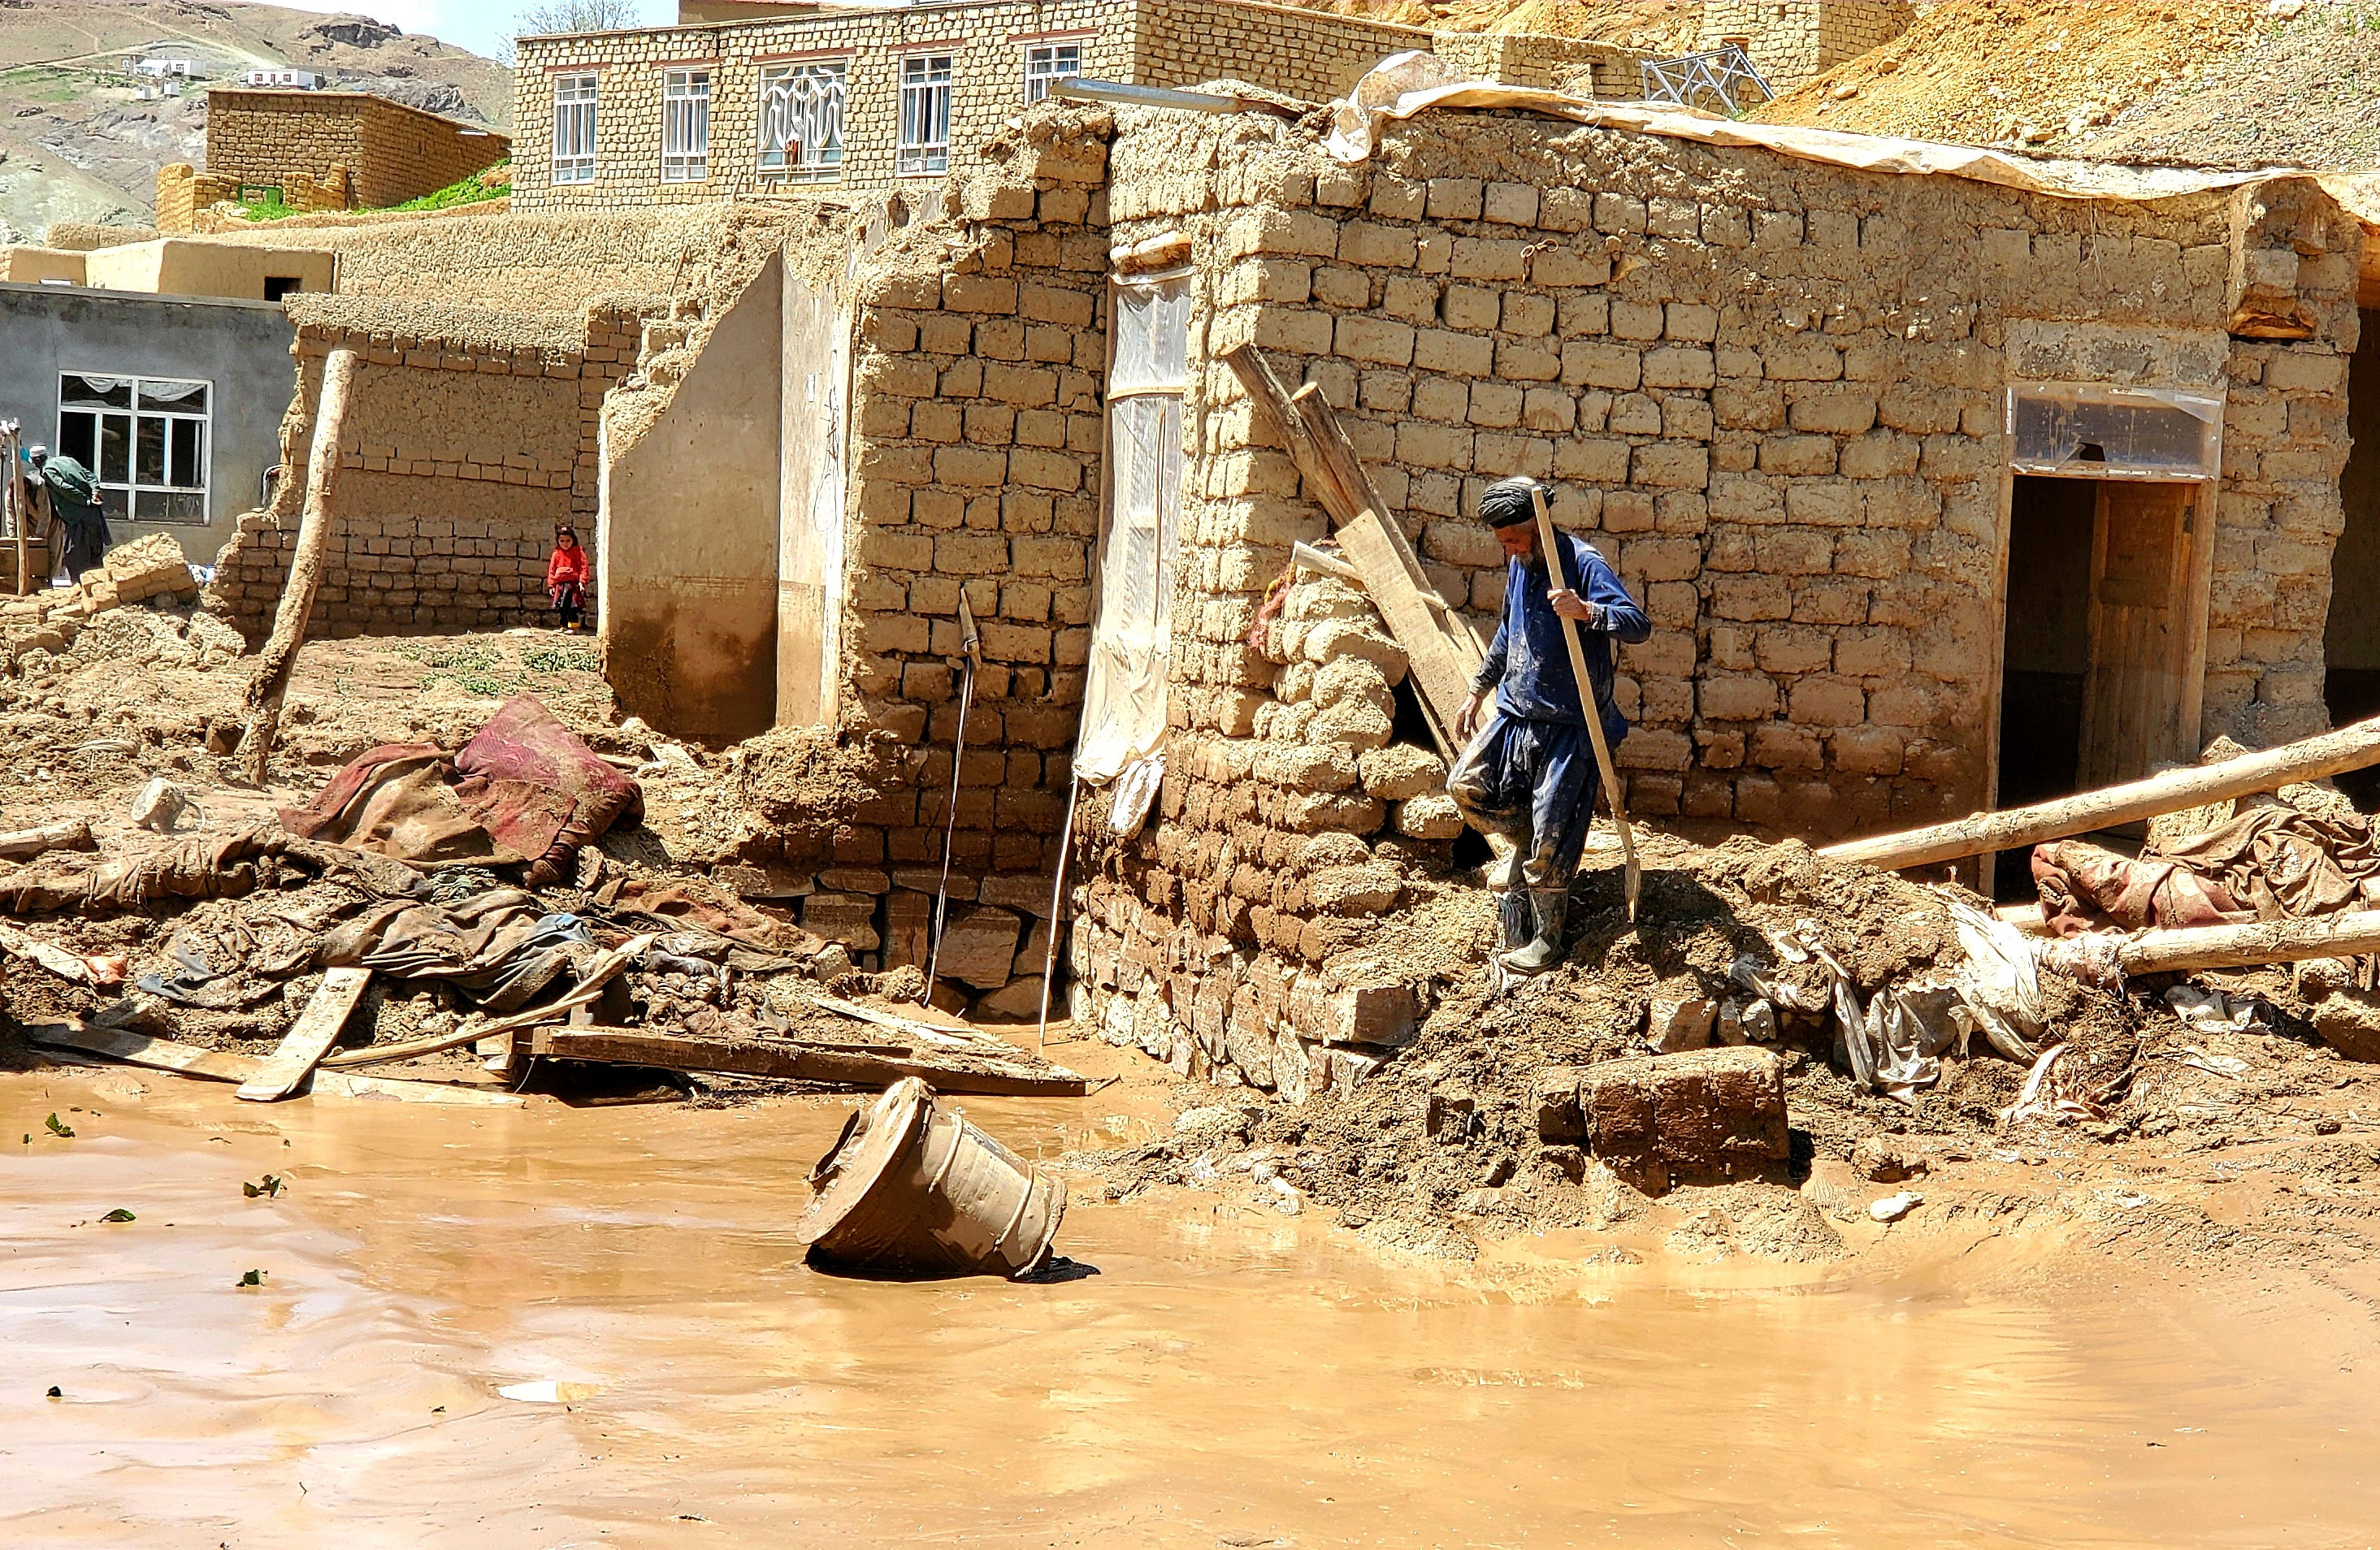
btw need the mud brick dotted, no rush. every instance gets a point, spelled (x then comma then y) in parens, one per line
(1379, 1015)
(848, 918)
(1703, 1111)
(1559, 1118)
(1251, 1050)
(1616, 1099)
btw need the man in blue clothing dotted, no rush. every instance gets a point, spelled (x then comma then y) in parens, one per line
(1529, 773)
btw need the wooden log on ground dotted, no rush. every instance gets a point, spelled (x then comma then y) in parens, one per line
(310, 1038)
(2350, 747)
(66, 834)
(186, 1059)
(945, 1071)
(2258, 942)
(279, 658)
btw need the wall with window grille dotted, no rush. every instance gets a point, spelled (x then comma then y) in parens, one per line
(765, 77)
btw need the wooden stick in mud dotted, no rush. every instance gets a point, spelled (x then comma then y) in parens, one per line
(952, 1072)
(1631, 871)
(310, 1038)
(187, 1059)
(279, 658)
(66, 834)
(20, 510)
(2350, 747)
(2260, 942)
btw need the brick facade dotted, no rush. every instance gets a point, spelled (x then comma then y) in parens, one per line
(1795, 42)
(462, 452)
(1304, 53)
(384, 151)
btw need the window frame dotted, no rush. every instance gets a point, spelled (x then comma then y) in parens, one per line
(175, 428)
(807, 169)
(1051, 46)
(921, 157)
(687, 92)
(579, 166)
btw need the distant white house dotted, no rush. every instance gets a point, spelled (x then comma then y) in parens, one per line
(164, 69)
(302, 80)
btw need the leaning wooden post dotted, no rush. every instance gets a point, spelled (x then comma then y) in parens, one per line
(279, 658)
(21, 509)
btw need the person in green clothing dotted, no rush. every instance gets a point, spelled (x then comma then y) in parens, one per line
(73, 491)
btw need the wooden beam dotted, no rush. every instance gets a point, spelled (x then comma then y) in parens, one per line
(2346, 935)
(2350, 747)
(584, 994)
(1439, 682)
(66, 834)
(310, 1038)
(973, 1075)
(279, 658)
(216, 1065)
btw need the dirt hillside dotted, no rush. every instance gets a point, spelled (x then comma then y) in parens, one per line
(78, 144)
(1656, 26)
(2030, 72)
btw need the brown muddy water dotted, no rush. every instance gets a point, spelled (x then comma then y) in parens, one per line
(1229, 1376)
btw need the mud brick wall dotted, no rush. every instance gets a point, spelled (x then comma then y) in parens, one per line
(463, 448)
(976, 452)
(1773, 393)
(1797, 41)
(389, 153)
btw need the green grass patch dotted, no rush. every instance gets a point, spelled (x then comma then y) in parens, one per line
(269, 209)
(561, 659)
(474, 190)
(474, 666)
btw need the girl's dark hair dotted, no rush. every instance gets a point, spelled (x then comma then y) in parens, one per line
(1510, 503)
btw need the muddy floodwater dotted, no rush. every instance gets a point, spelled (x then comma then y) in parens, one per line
(1227, 1378)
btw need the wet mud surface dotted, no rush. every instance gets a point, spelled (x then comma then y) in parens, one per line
(1228, 1377)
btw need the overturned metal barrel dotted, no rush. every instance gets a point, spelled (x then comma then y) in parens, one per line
(911, 1188)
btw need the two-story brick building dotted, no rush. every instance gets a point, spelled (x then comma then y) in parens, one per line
(754, 98)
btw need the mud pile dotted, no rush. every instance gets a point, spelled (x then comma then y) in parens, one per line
(1443, 1144)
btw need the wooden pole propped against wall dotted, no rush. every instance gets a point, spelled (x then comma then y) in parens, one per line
(279, 658)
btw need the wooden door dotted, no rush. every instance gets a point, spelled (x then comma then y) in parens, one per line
(2141, 700)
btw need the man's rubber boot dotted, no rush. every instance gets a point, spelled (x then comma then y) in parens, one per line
(1518, 920)
(1551, 907)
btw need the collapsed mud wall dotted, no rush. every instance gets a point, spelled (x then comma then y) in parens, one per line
(468, 440)
(1774, 393)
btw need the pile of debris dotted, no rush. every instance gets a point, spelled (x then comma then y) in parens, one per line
(444, 918)
(144, 571)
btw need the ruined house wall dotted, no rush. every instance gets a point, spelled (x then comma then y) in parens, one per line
(1771, 391)
(1797, 41)
(384, 152)
(976, 367)
(468, 440)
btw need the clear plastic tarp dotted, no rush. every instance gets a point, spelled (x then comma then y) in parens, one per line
(2149, 434)
(1124, 695)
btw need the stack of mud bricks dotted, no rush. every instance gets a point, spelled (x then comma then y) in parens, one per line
(460, 456)
(977, 427)
(387, 152)
(1796, 41)
(1774, 394)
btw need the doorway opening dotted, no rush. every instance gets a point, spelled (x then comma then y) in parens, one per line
(2100, 676)
(2350, 643)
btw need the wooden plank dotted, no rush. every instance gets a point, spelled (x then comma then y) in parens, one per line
(2348, 935)
(588, 990)
(66, 834)
(2350, 747)
(158, 1054)
(945, 1074)
(1443, 687)
(310, 1038)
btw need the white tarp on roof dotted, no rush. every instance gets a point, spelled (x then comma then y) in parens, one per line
(1407, 84)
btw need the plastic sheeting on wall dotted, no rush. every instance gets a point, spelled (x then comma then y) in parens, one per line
(1124, 691)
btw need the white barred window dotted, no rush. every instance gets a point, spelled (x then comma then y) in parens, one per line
(925, 114)
(1046, 63)
(801, 120)
(574, 128)
(685, 126)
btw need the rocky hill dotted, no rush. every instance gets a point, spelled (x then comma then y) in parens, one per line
(79, 142)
